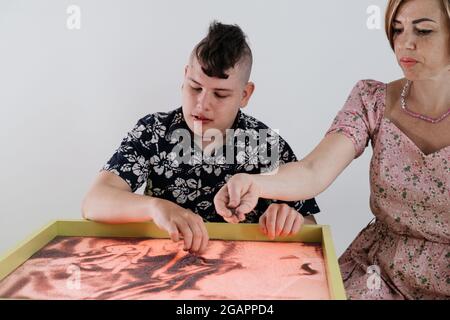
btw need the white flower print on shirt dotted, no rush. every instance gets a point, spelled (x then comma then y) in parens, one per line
(165, 163)
(184, 190)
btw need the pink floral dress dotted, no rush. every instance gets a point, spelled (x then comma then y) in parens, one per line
(409, 241)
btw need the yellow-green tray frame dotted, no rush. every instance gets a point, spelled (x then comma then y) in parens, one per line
(217, 231)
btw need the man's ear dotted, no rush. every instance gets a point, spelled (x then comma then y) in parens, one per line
(186, 68)
(247, 93)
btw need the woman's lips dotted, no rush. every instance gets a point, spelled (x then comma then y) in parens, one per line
(408, 62)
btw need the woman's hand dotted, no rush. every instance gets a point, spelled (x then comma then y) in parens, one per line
(237, 197)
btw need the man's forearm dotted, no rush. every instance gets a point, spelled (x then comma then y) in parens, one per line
(111, 205)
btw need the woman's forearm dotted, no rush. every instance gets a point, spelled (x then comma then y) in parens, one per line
(293, 181)
(309, 177)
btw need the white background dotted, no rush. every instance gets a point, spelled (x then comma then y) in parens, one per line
(68, 97)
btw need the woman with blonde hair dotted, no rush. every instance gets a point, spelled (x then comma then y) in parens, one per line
(408, 125)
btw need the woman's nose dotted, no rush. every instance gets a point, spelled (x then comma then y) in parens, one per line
(407, 41)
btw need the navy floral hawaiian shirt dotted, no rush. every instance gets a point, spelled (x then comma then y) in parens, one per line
(161, 152)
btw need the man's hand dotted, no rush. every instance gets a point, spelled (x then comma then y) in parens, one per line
(181, 223)
(280, 220)
(236, 198)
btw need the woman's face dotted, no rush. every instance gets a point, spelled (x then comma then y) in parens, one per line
(422, 39)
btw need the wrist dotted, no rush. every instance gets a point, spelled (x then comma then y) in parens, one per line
(154, 206)
(257, 183)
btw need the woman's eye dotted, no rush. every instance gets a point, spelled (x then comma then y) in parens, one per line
(397, 30)
(196, 89)
(424, 32)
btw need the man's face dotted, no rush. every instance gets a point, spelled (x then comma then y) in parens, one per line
(213, 103)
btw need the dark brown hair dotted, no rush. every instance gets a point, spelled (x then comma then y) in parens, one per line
(223, 48)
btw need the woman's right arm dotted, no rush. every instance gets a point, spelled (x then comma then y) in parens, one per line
(294, 181)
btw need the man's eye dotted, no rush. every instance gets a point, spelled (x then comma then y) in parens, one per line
(196, 89)
(220, 96)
